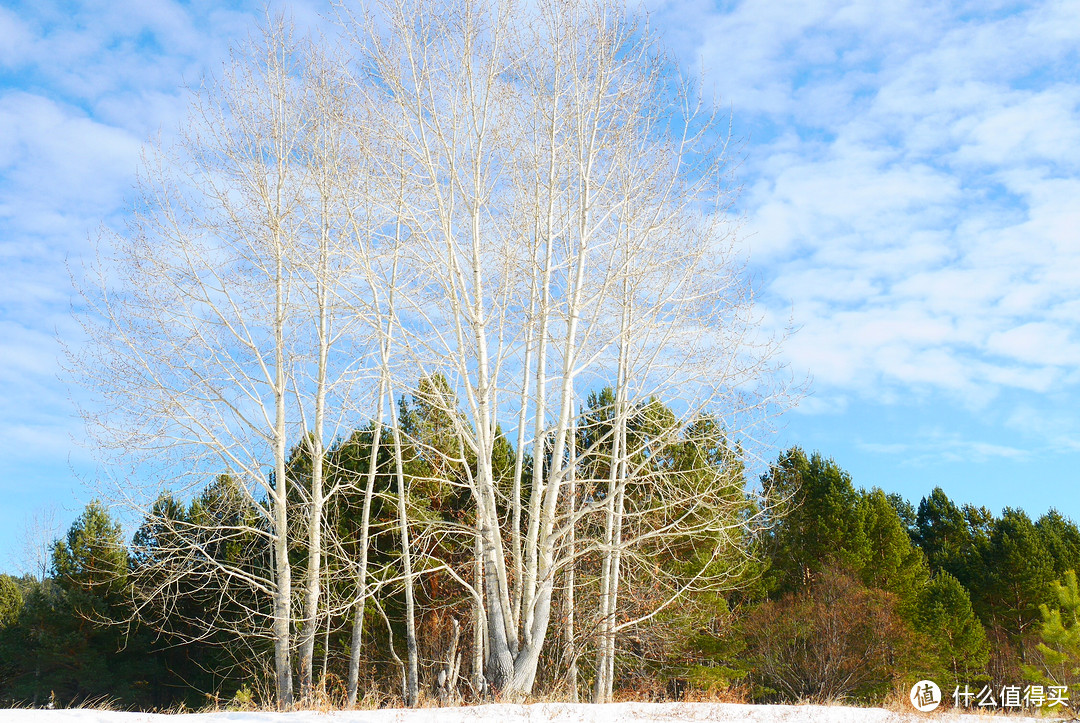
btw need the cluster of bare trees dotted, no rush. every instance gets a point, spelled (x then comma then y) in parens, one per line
(496, 209)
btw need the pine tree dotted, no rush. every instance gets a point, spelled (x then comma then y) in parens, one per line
(92, 558)
(11, 605)
(1061, 538)
(1020, 574)
(906, 512)
(68, 646)
(823, 526)
(11, 601)
(951, 629)
(942, 533)
(1060, 633)
(893, 563)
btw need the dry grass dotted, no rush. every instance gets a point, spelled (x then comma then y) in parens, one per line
(734, 693)
(102, 703)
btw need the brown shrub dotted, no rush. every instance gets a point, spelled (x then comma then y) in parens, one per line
(833, 640)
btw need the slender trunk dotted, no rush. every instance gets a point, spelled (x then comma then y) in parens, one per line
(499, 667)
(621, 462)
(326, 647)
(519, 459)
(315, 448)
(495, 572)
(282, 594)
(614, 590)
(479, 616)
(502, 633)
(605, 649)
(365, 532)
(571, 652)
(314, 573)
(412, 689)
(600, 683)
(282, 571)
(353, 685)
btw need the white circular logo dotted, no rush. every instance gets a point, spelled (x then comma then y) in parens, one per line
(925, 696)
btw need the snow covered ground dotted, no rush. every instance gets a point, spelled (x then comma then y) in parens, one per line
(538, 713)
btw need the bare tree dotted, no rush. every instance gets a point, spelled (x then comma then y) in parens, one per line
(40, 530)
(338, 298)
(222, 331)
(527, 204)
(566, 220)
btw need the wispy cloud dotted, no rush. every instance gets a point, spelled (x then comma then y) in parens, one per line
(914, 197)
(937, 448)
(82, 86)
(911, 175)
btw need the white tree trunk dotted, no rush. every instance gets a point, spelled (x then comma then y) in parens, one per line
(412, 685)
(362, 569)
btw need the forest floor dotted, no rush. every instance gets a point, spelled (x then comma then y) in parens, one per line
(542, 712)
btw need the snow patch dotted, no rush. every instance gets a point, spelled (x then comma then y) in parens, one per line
(535, 713)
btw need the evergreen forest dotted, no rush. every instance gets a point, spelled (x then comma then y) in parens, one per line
(842, 593)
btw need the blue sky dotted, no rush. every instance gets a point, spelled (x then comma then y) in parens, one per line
(910, 183)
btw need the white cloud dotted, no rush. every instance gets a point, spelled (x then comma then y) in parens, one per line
(935, 447)
(87, 83)
(1058, 426)
(15, 37)
(1031, 128)
(1037, 343)
(57, 159)
(916, 203)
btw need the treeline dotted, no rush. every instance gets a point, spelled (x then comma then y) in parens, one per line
(865, 594)
(844, 593)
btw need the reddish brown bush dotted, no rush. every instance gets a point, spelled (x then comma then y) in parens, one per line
(833, 639)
